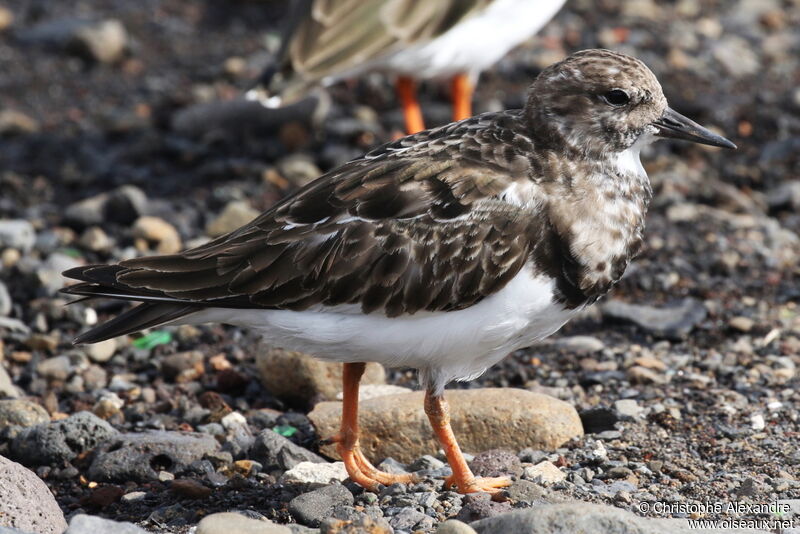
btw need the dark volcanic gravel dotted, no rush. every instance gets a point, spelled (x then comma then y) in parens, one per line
(99, 161)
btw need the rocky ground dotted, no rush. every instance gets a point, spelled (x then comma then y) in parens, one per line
(120, 138)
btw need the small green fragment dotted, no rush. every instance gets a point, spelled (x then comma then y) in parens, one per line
(71, 252)
(287, 431)
(152, 340)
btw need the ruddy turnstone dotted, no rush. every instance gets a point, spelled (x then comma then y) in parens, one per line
(444, 251)
(330, 40)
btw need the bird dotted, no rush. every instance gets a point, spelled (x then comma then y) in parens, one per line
(326, 41)
(443, 251)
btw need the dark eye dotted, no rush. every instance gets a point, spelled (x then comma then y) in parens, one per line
(616, 97)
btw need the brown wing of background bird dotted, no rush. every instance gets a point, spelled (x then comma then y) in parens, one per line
(333, 36)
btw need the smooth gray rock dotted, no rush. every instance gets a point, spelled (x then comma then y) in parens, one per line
(233, 523)
(90, 524)
(25, 501)
(7, 387)
(56, 368)
(528, 492)
(580, 344)
(60, 441)
(104, 41)
(49, 272)
(273, 450)
(671, 322)
(22, 413)
(87, 212)
(786, 194)
(141, 456)
(5, 301)
(124, 205)
(627, 409)
(9, 530)
(17, 233)
(454, 526)
(240, 115)
(314, 507)
(574, 517)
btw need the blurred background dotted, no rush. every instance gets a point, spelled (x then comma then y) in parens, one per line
(123, 132)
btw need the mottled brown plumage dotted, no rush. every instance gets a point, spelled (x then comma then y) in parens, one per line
(443, 251)
(439, 220)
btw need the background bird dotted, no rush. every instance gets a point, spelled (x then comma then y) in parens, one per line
(443, 251)
(330, 40)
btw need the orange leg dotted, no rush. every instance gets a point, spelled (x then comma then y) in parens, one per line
(438, 412)
(462, 97)
(411, 110)
(361, 471)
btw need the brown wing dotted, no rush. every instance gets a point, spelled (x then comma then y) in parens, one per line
(415, 225)
(336, 36)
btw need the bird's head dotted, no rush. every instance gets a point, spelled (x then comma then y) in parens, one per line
(598, 102)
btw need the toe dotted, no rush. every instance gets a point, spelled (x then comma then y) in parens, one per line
(491, 485)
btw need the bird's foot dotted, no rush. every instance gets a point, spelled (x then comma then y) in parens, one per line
(471, 484)
(363, 473)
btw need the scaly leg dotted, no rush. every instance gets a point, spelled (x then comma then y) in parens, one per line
(438, 412)
(462, 97)
(411, 110)
(361, 471)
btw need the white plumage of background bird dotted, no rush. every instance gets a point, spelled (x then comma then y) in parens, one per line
(330, 40)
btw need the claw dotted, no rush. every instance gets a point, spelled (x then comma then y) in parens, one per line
(365, 474)
(491, 485)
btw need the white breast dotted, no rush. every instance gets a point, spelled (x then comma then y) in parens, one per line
(477, 43)
(445, 345)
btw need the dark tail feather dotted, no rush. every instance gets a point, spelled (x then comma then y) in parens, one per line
(91, 290)
(145, 315)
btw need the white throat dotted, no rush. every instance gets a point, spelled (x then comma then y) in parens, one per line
(628, 161)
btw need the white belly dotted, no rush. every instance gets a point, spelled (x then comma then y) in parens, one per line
(473, 45)
(444, 345)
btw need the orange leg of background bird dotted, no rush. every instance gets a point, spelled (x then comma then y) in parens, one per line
(412, 113)
(462, 97)
(438, 412)
(361, 471)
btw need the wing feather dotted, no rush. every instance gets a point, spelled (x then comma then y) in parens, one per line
(417, 225)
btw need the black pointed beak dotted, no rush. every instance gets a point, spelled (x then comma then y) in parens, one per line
(673, 124)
